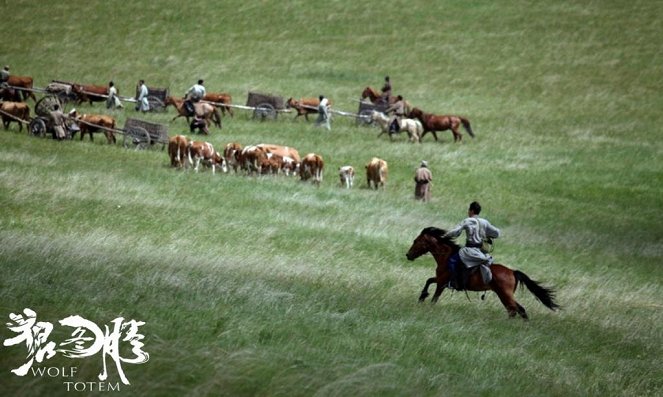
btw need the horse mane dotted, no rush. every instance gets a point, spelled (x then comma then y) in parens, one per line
(438, 234)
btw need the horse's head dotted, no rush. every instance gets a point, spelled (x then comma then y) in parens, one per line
(368, 93)
(169, 101)
(291, 103)
(428, 240)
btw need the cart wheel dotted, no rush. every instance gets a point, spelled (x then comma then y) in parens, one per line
(136, 137)
(264, 111)
(156, 104)
(364, 118)
(37, 127)
(45, 105)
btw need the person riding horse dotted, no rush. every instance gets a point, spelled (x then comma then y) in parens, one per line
(192, 96)
(398, 108)
(477, 231)
(386, 90)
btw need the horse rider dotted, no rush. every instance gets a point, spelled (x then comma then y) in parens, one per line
(113, 101)
(194, 95)
(4, 76)
(386, 90)
(477, 230)
(58, 118)
(399, 112)
(141, 97)
(422, 179)
(323, 112)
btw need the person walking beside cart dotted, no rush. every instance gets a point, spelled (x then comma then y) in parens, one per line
(58, 119)
(141, 97)
(422, 180)
(323, 113)
(113, 101)
(193, 96)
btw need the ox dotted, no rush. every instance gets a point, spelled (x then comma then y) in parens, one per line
(222, 100)
(89, 123)
(177, 150)
(376, 173)
(90, 93)
(22, 82)
(231, 155)
(305, 106)
(252, 158)
(14, 112)
(204, 152)
(312, 166)
(289, 155)
(347, 176)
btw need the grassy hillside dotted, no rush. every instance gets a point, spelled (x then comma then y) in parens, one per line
(270, 286)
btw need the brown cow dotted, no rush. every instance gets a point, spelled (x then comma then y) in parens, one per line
(223, 98)
(347, 176)
(89, 123)
(204, 152)
(251, 159)
(231, 154)
(376, 173)
(305, 106)
(289, 155)
(14, 112)
(23, 82)
(177, 150)
(90, 93)
(312, 166)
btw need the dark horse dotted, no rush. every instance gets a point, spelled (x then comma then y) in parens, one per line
(375, 97)
(433, 122)
(504, 280)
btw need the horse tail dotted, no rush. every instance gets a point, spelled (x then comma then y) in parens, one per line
(543, 294)
(466, 124)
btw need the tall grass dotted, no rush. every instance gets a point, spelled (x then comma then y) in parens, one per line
(270, 286)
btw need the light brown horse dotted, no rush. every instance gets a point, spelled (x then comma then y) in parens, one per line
(376, 97)
(221, 98)
(204, 110)
(433, 122)
(504, 282)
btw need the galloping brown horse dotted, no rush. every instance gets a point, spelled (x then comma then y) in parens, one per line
(433, 122)
(204, 110)
(504, 282)
(375, 97)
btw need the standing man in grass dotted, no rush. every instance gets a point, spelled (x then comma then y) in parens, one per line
(477, 230)
(422, 179)
(4, 76)
(323, 113)
(141, 97)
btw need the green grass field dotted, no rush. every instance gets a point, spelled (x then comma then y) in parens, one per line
(268, 286)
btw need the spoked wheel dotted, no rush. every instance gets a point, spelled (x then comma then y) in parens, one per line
(137, 138)
(364, 117)
(156, 104)
(46, 105)
(264, 111)
(37, 127)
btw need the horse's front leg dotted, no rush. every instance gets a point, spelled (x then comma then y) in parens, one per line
(424, 292)
(441, 285)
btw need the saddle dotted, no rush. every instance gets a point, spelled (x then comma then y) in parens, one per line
(462, 275)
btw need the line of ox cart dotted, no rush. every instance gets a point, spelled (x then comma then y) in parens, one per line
(137, 133)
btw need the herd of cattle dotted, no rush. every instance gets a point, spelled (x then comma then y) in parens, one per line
(266, 159)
